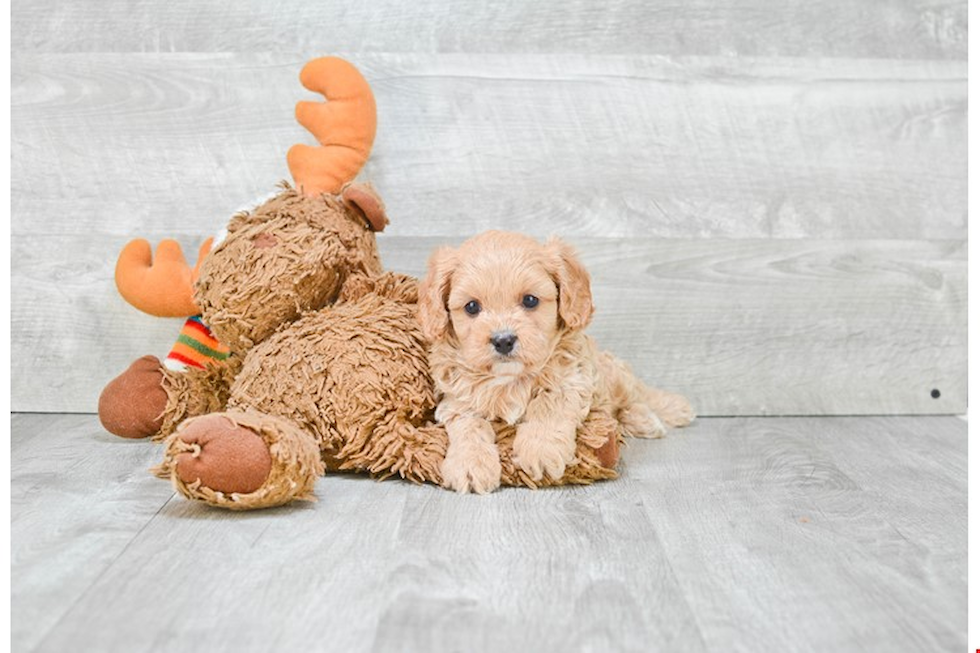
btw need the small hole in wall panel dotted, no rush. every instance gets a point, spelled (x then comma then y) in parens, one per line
(935, 393)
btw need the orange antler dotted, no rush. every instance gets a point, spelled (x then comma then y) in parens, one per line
(344, 126)
(163, 287)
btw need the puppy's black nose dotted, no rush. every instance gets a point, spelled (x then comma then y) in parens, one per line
(503, 342)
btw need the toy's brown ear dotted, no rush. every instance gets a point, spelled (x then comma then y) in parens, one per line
(574, 287)
(365, 200)
(434, 294)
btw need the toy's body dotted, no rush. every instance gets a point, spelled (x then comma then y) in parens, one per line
(328, 367)
(345, 386)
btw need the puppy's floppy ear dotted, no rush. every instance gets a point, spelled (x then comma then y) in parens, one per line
(574, 287)
(434, 294)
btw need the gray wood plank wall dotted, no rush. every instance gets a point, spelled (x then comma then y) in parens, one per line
(771, 195)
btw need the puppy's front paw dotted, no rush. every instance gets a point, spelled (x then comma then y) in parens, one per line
(471, 466)
(540, 449)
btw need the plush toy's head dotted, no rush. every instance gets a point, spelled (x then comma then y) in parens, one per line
(288, 256)
(291, 254)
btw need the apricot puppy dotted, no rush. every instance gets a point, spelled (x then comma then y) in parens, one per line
(505, 316)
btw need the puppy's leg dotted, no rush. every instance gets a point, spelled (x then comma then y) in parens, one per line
(673, 409)
(472, 462)
(545, 440)
(644, 412)
(640, 421)
(545, 446)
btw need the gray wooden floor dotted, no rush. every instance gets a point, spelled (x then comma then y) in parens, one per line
(744, 534)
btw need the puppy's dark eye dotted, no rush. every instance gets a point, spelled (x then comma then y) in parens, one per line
(529, 301)
(472, 307)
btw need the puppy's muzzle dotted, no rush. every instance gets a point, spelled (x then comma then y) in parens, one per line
(503, 342)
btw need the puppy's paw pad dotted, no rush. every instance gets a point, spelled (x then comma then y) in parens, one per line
(639, 421)
(471, 468)
(540, 451)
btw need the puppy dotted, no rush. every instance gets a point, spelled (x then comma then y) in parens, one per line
(505, 317)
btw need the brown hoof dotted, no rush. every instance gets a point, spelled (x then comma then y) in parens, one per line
(132, 405)
(608, 454)
(228, 457)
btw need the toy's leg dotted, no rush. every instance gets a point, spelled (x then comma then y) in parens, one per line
(150, 400)
(242, 460)
(196, 392)
(607, 454)
(133, 403)
(396, 446)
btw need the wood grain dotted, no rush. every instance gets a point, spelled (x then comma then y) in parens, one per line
(653, 159)
(736, 534)
(771, 198)
(779, 327)
(743, 327)
(634, 146)
(575, 558)
(835, 28)
(78, 496)
(795, 534)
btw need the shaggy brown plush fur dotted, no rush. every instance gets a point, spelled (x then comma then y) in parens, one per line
(195, 392)
(289, 256)
(329, 366)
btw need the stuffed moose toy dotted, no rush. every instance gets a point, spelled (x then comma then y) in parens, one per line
(312, 358)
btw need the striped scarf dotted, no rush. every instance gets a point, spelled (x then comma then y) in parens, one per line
(195, 347)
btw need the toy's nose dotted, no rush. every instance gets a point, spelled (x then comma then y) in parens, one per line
(503, 342)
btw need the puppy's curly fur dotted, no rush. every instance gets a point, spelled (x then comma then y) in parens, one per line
(505, 316)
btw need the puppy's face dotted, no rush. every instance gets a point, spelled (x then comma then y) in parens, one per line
(503, 300)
